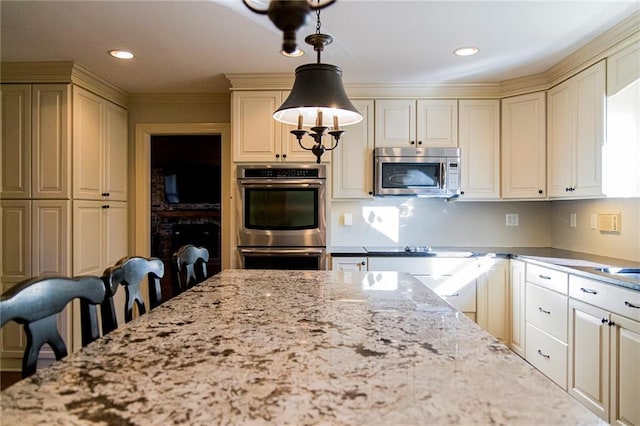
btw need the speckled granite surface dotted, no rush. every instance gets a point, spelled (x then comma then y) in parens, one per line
(300, 348)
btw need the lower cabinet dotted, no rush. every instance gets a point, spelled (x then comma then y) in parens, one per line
(492, 306)
(517, 306)
(625, 371)
(348, 264)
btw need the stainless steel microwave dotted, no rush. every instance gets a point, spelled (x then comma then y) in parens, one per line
(421, 172)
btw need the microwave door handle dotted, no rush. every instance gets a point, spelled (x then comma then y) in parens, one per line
(443, 175)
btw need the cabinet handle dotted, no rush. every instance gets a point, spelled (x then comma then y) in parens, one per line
(604, 321)
(451, 295)
(106, 206)
(543, 355)
(612, 324)
(588, 290)
(540, 191)
(461, 192)
(277, 155)
(412, 142)
(284, 155)
(419, 142)
(363, 263)
(543, 311)
(544, 277)
(631, 305)
(105, 194)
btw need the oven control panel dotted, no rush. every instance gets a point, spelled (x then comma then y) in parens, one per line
(281, 172)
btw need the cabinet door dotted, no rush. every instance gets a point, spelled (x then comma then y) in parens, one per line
(51, 237)
(88, 110)
(561, 122)
(349, 264)
(256, 135)
(353, 159)
(517, 305)
(625, 370)
(395, 123)
(87, 237)
(492, 312)
(115, 232)
(588, 370)
(590, 130)
(457, 290)
(115, 153)
(16, 240)
(16, 141)
(480, 149)
(623, 68)
(50, 141)
(437, 123)
(523, 146)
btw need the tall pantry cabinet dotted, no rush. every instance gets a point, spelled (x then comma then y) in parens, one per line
(52, 150)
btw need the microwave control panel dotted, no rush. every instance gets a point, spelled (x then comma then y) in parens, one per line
(453, 178)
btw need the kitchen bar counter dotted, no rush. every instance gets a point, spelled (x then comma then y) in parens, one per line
(578, 263)
(295, 347)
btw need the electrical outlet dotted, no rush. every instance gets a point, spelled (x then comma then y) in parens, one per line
(513, 219)
(594, 221)
(348, 219)
(572, 220)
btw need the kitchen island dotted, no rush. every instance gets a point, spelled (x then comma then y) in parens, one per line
(295, 347)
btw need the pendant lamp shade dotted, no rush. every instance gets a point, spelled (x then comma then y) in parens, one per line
(318, 88)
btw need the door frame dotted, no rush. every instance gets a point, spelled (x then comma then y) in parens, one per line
(141, 215)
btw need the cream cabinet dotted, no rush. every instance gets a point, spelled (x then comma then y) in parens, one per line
(99, 235)
(604, 330)
(416, 123)
(623, 68)
(546, 305)
(517, 306)
(492, 288)
(99, 148)
(349, 264)
(479, 133)
(575, 120)
(353, 158)
(524, 147)
(36, 146)
(258, 137)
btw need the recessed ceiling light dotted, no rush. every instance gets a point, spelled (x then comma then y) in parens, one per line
(466, 51)
(121, 54)
(295, 54)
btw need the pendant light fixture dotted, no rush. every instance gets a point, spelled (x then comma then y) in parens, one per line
(317, 97)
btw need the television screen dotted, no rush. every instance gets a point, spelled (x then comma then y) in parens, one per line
(193, 185)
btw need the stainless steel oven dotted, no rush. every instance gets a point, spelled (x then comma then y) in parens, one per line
(282, 215)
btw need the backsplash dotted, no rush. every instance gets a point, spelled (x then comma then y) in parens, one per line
(436, 222)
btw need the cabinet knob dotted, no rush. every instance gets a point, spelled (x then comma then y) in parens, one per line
(419, 142)
(461, 192)
(604, 321)
(540, 191)
(284, 155)
(105, 206)
(612, 324)
(277, 155)
(370, 192)
(412, 142)
(363, 263)
(105, 194)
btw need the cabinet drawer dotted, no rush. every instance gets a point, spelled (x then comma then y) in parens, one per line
(548, 278)
(616, 299)
(547, 354)
(424, 266)
(547, 310)
(461, 295)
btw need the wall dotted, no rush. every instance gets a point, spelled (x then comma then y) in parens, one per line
(417, 221)
(625, 245)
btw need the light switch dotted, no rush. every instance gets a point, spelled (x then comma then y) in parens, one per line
(513, 219)
(348, 219)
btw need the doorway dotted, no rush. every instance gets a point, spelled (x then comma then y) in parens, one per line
(141, 219)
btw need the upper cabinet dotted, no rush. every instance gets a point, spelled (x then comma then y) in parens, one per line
(623, 68)
(35, 141)
(258, 137)
(99, 148)
(411, 123)
(523, 146)
(575, 120)
(353, 158)
(479, 122)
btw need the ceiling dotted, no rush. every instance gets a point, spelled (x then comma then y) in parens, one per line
(187, 46)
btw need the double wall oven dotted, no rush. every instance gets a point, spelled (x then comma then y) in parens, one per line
(282, 216)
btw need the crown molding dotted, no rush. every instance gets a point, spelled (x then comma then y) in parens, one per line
(252, 81)
(65, 72)
(180, 98)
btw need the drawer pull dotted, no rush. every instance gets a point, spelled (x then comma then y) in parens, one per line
(543, 355)
(588, 290)
(631, 305)
(451, 295)
(544, 277)
(543, 311)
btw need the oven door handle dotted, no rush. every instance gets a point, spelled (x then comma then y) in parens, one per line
(269, 183)
(282, 251)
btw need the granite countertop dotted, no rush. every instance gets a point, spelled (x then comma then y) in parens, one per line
(579, 263)
(295, 347)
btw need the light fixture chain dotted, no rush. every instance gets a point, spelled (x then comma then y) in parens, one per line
(318, 23)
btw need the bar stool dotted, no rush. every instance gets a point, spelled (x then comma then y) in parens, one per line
(190, 265)
(35, 303)
(129, 272)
